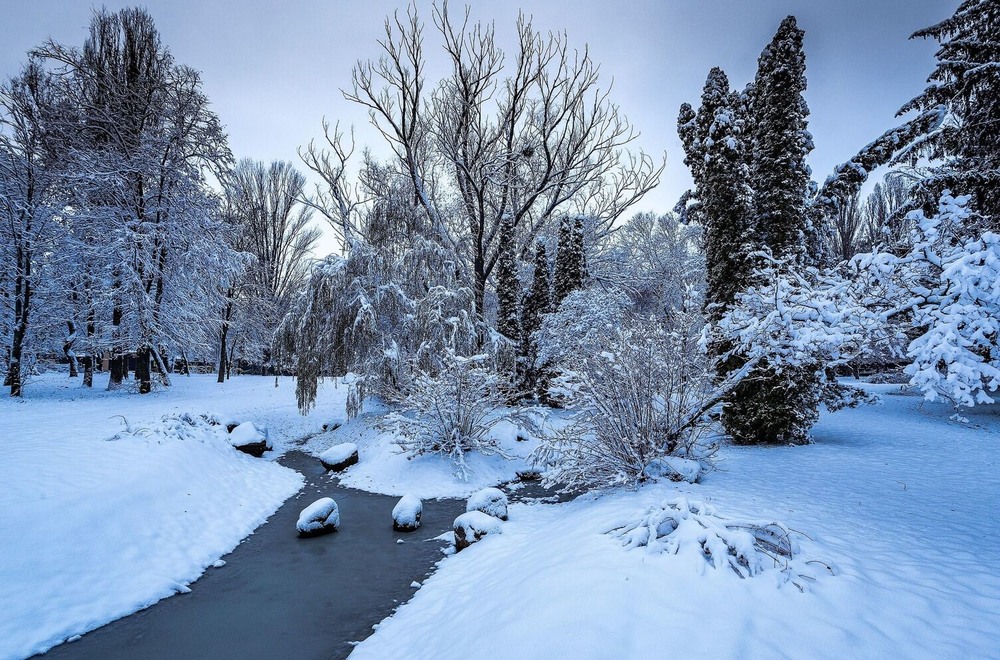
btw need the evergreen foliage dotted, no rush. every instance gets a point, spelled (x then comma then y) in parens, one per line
(965, 92)
(571, 261)
(508, 286)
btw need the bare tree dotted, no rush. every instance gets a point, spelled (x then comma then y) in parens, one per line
(269, 222)
(544, 140)
(29, 193)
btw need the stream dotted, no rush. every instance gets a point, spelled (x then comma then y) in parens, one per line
(279, 596)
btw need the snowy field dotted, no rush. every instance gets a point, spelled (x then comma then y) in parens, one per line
(898, 499)
(94, 528)
(903, 503)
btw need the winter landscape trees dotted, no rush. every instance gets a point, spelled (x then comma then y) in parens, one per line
(495, 234)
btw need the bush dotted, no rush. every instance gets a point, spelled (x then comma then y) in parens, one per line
(641, 393)
(451, 412)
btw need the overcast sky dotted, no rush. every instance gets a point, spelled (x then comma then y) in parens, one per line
(274, 69)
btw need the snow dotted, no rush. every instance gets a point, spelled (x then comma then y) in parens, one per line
(97, 521)
(491, 501)
(897, 499)
(388, 470)
(478, 523)
(324, 512)
(245, 434)
(339, 453)
(407, 512)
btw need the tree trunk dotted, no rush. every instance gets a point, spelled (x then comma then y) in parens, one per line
(14, 373)
(68, 349)
(88, 371)
(118, 366)
(223, 354)
(142, 370)
(161, 367)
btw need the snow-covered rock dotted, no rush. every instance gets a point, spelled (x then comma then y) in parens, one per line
(472, 526)
(340, 457)
(673, 468)
(320, 517)
(490, 501)
(406, 514)
(249, 439)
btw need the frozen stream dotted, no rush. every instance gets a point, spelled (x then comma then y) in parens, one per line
(279, 596)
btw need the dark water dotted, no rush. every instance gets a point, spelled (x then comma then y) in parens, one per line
(279, 596)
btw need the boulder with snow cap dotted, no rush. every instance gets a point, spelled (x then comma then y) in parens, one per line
(320, 517)
(490, 501)
(406, 514)
(472, 526)
(340, 457)
(249, 439)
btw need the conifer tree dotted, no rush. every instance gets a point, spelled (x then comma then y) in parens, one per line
(508, 287)
(536, 303)
(716, 153)
(770, 405)
(570, 259)
(965, 85)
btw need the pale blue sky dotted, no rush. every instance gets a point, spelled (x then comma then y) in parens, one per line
(274, 69)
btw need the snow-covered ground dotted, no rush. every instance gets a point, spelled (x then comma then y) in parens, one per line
(900, 500)
(903, 503)
(96, 523)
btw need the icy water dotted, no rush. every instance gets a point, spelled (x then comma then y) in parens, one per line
(279, 596)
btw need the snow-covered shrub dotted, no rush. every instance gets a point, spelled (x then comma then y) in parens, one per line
(680, 527)
(452, 411)
(936, 307)
(638, 391)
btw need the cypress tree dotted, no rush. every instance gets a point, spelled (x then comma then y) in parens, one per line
(508, 287)
(570, 259)
(717, 155)
(769, 405)
(535, 303)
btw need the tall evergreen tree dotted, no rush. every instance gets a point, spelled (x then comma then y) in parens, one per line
(536, 303)
(965, 85)
(769, 405)
(508, 286)
(717, 155)
(570, 259)
(781, 143)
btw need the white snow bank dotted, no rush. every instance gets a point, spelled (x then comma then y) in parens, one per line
(490, 501)
(901, 501)
(389, 471)
(321, 514)
(93, 529)
(406, 514)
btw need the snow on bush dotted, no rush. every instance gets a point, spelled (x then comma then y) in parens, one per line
(746, 547)
(451, 412)
(490, 501)
(937, 306)
(639, 390)
(320, 516)
(406, 514)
